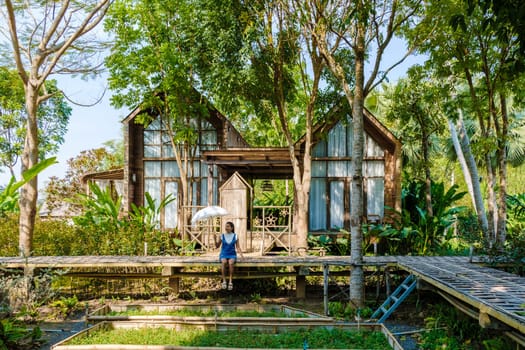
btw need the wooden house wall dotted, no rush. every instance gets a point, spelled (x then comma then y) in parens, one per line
(134, 165)
(331, 176)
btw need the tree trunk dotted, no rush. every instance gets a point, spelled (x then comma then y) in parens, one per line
(357, 296)
(426, 162)
(501, 231)
(29, 191)
(470, 171)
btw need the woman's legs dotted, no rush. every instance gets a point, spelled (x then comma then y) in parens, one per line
(224, 262)
(231, 263)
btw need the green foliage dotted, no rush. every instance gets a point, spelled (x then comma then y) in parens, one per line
(315, 338)
(66, 305)
(15, 336)
(348, 312)
(9, 194)
(22, 294)
(334, 244)
(101, 210)
(448, 328)
(60, 190)
(513, 251)
(53, 117)
(147, 217)
(102, 229)
(414, 231)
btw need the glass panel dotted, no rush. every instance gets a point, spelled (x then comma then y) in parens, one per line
(170, 169)
(154, 125)
(152, 186)
(215, 191)
(196, 168)
(337, 168)
(194, 188)
(337, 141)
(209, 138)
(319, 150)
(152, 151)
(152, 169)
(152, 137)
(375, 199)
(372, 148)
(337, 205)
(204, 169)
(317, 214)
(374, 168)
(167, 148)
(318, 168)
(170, 210)
(204, 191)
(206, 125)
(167, 151)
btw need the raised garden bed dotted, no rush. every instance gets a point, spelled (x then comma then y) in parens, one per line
(159, 327)
(137, 335)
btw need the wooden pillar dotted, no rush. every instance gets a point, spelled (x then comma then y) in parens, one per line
(300, 286)
(300, 281)
(173, 281)
(326, 271)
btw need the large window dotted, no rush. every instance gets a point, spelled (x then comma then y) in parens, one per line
(330, 199)
(162, 173)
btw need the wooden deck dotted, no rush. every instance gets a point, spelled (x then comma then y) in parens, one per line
(496, 298)
(481, 292)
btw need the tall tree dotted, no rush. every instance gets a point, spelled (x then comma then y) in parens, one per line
(53, 117)
(475, 51)
(150, 66)
(416, 113)
(365, 29)
(254, 51)
(46, 38)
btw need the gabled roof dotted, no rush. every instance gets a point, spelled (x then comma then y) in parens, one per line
(216, 118)
(371, 124)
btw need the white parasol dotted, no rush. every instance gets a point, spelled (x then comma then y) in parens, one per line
(208, 212)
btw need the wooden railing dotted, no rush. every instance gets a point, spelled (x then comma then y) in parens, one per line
(198, 238)
(271, 227)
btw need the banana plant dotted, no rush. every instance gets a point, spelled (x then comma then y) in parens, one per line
(9, 195)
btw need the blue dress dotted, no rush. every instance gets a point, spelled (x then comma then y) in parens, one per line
(228, 249)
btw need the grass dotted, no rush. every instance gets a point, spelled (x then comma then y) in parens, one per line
(320, 338)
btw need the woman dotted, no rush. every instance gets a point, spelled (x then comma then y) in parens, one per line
(229, 244)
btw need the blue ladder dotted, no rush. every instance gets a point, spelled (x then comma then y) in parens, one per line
(395, 299)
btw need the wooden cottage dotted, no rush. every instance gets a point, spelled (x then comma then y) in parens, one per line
(223, 161)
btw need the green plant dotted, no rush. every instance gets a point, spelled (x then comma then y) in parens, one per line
(100, 209)
(147, 217)
(66, 305)
(255, 298)
(9, 194)
(14, 336)
(302, 338)
(413, 229)
(23, 293)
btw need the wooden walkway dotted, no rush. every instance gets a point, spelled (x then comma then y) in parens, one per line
(496, 298)
(486, 293)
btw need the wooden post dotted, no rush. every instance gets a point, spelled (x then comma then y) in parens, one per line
(173, 281)
(326, 271)
(300, 281)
